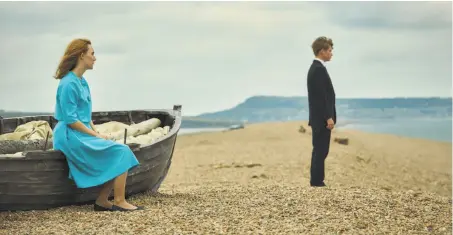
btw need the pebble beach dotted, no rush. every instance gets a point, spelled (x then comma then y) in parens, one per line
(256, 181)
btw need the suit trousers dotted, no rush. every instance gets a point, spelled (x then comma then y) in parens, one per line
(321, 144)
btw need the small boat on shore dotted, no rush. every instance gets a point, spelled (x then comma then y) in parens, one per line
(33, 176)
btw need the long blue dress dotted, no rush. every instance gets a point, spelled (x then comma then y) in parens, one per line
(92, 161)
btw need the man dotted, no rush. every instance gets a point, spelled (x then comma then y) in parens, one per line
(322, 111)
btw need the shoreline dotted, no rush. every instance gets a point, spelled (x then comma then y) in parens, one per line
(341, 127)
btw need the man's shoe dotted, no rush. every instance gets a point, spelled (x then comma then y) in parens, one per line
(318, 185)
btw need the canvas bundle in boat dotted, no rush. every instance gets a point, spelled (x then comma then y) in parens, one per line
(115, 130)
(142, 133)
(33, 130)
(145, 139)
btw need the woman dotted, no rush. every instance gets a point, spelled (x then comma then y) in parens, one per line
(93, 159)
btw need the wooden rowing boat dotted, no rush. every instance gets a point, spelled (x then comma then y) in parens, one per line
(38, 179)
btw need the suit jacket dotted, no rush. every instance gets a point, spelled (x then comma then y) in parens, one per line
(321, 96)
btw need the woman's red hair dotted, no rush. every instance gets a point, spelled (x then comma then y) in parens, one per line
(73, 52)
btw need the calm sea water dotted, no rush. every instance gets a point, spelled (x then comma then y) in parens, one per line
(184, 131)
(434, 129)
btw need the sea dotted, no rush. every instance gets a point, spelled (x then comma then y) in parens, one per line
(437, 129)
(186, 131)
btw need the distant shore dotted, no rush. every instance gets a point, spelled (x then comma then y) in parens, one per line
(429, 129)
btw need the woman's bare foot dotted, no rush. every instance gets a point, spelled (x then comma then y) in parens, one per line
(125, 205)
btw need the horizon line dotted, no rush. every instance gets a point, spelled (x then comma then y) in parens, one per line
(363, 97)
(281, 96)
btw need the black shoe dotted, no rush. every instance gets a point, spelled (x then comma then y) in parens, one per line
(318, 185)
(117, 208)
(97, 207)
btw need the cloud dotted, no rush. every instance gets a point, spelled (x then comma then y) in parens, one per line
(212, 55)
(391, 15)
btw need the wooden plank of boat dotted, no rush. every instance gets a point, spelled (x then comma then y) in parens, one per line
(39, 178)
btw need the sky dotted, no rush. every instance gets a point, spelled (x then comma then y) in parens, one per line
(210, 56)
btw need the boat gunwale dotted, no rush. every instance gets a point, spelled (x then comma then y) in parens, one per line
(53, 154)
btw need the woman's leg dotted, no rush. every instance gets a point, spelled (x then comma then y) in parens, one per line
(119, 191)
(103, 198)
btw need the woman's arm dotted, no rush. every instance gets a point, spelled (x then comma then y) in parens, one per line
(92, 127)
(69, 96)
(82, 128)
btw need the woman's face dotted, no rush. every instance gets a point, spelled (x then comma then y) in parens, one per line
(88, 58)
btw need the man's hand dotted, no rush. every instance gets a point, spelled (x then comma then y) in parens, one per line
(330, 124)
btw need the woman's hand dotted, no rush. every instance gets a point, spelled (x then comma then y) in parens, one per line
(102, 136)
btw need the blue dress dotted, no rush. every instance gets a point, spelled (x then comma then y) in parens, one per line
(92, 161)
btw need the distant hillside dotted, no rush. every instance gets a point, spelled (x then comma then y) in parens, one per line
(196, 122)
(275, 108)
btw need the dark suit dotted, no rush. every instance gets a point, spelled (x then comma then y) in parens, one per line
(321, 102)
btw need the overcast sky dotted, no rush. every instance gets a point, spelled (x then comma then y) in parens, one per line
(210, 56)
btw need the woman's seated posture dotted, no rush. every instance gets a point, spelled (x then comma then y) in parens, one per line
(93, 159)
